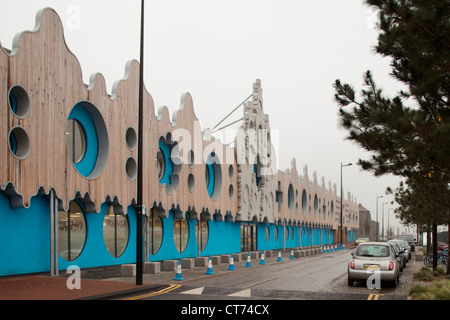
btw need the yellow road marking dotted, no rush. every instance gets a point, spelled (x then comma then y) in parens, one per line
(374, 296)
(157, 293)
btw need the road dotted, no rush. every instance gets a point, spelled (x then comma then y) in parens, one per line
(318, 277)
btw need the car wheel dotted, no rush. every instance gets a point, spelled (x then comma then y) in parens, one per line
(394, 282)
(350, 282)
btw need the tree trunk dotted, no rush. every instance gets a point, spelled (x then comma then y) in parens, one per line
(448, 244)
(429, 244)
(435, 243)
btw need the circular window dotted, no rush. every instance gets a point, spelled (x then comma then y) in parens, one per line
(291, 199)
(304, 202)
(191, 182)
(231, 171)
(91, 146)
(131, 138)
(231, 191)
(71, 232)
(115, 232)
(316, 205)
(19, 101)
(213, 176)
(19, 143)
(75, 141)
(332, 209)
(131, 168)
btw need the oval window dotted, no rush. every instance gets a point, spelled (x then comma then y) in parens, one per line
(180, 234)
(71, 232)
(115, 232)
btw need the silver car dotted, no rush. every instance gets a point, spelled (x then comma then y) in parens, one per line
(372, 258)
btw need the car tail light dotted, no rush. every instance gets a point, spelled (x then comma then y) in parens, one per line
(391, 265)
(352, 264)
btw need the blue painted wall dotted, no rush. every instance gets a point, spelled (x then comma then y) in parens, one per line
(24, 237)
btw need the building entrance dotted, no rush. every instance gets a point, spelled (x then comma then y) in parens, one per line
(248, 237)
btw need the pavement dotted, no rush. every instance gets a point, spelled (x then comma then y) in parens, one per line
(107, 282)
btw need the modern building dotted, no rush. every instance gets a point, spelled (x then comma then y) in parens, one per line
(367, 226)
(69, 151)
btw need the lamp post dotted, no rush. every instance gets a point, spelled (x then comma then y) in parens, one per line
(388, 233)
(382, 226)
(378, 197)
(342, 206)
(139, 247)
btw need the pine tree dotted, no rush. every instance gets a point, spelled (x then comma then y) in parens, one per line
(409, 134)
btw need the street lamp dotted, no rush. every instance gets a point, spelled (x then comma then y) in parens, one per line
(388, 224)
(139, 236)
(378, 197)
(382, 226)
(342, 165)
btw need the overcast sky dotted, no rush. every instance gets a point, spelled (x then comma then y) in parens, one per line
(216, 49)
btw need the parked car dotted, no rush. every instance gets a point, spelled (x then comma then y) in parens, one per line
(361, 240)
(371, 257)
(400, 253)
(411, 240)
(405, 247)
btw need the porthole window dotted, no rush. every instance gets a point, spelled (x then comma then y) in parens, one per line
(71, 232)
(87, 140)
(231, 192)
(75, 141)
(115, 232)
(131, 168)
(19, 101)
(202, 232)
(156, 232)
(180, 234)
(291, 199)
(304, 202)
(19, 143)
(267, 233)
(332, 209)
(131, 138)
(213, 176)
(191, 182)
(316, 205)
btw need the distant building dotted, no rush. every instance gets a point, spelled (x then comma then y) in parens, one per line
(367, 227)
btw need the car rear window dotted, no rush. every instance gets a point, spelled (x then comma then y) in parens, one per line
(372, 250)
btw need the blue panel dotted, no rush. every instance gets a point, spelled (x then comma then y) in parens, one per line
(224, 238)
(80, 114)
(24, 237)
(168, 165)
